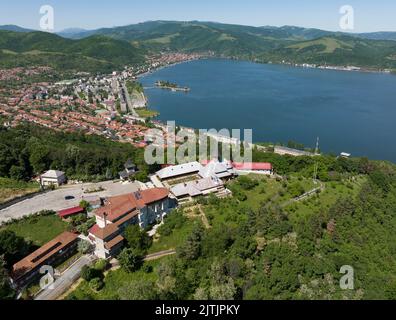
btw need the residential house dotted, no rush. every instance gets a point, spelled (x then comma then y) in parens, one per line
(143, 208)
(53, 177)
(130, 170)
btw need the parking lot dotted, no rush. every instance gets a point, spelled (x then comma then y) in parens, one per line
(55, 200)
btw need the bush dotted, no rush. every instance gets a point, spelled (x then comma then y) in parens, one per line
(296, 190)
(147, 268)
(88, 273)
(101, 265)
(246, 183)
(96, 284)
(84, 247)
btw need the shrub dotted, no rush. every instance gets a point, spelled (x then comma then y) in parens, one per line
(101, 265)
(84, 247)
(88, 273)
(96, 284)
(147, 268)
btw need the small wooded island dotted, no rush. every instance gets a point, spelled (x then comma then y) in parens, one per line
(171, 86)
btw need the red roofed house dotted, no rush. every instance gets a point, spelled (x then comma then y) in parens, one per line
(67, 213)
(142, 207)
(256, 167)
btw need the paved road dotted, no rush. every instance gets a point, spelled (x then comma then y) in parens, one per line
(55, 200)
(66, 280)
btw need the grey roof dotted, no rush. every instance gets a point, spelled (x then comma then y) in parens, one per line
(196, 188)
(129, 164)
(53, 174)
(179, 170)
(218, 169)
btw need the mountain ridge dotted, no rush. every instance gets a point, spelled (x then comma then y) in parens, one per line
(125, 45)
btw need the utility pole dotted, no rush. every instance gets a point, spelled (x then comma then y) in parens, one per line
(316, 167)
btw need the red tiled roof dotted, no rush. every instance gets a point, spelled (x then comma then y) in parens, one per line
(42, 254)
(118, 206)
(71, 211)
(112, 243)
(103, 233)
(255, 166)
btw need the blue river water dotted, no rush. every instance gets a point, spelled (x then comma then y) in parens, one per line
(350, 112)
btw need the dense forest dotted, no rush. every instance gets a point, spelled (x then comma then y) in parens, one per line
(93, 54)
(29, 150)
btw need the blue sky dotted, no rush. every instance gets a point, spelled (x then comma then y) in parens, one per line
(370, 15)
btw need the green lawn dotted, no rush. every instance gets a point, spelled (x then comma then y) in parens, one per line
(10, 189)
(146, 113)
(323, 201)
(278, 193)
(39, 229)
(173, 240)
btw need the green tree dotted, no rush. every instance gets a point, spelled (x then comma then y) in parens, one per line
(12, 247)
(138, 290)
(6, 292)
(88, 273)
(138, 240)
(84, 247)
(39, 158)
(18, 173)
(191, 249)
(130, 261)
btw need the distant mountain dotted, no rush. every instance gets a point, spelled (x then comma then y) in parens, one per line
(70, 32)
(378, 35)
(135, 31)
(290, 43)
(114, 47)
(96, 53)
(14, 28)
(339, 50)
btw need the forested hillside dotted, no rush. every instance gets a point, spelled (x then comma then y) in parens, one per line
(265, 44)
(113, 48)
(93, 54)
(29, 150)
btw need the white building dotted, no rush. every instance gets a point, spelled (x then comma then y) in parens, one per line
(53, 177)
(142, 208)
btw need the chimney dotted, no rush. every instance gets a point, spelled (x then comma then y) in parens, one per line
(105, 215)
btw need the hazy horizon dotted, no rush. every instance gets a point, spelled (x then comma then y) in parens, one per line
(189, 21)
(89, 15)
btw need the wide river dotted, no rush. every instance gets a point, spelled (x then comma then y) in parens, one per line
(350, 111)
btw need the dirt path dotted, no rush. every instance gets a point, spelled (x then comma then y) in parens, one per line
(201, 215)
